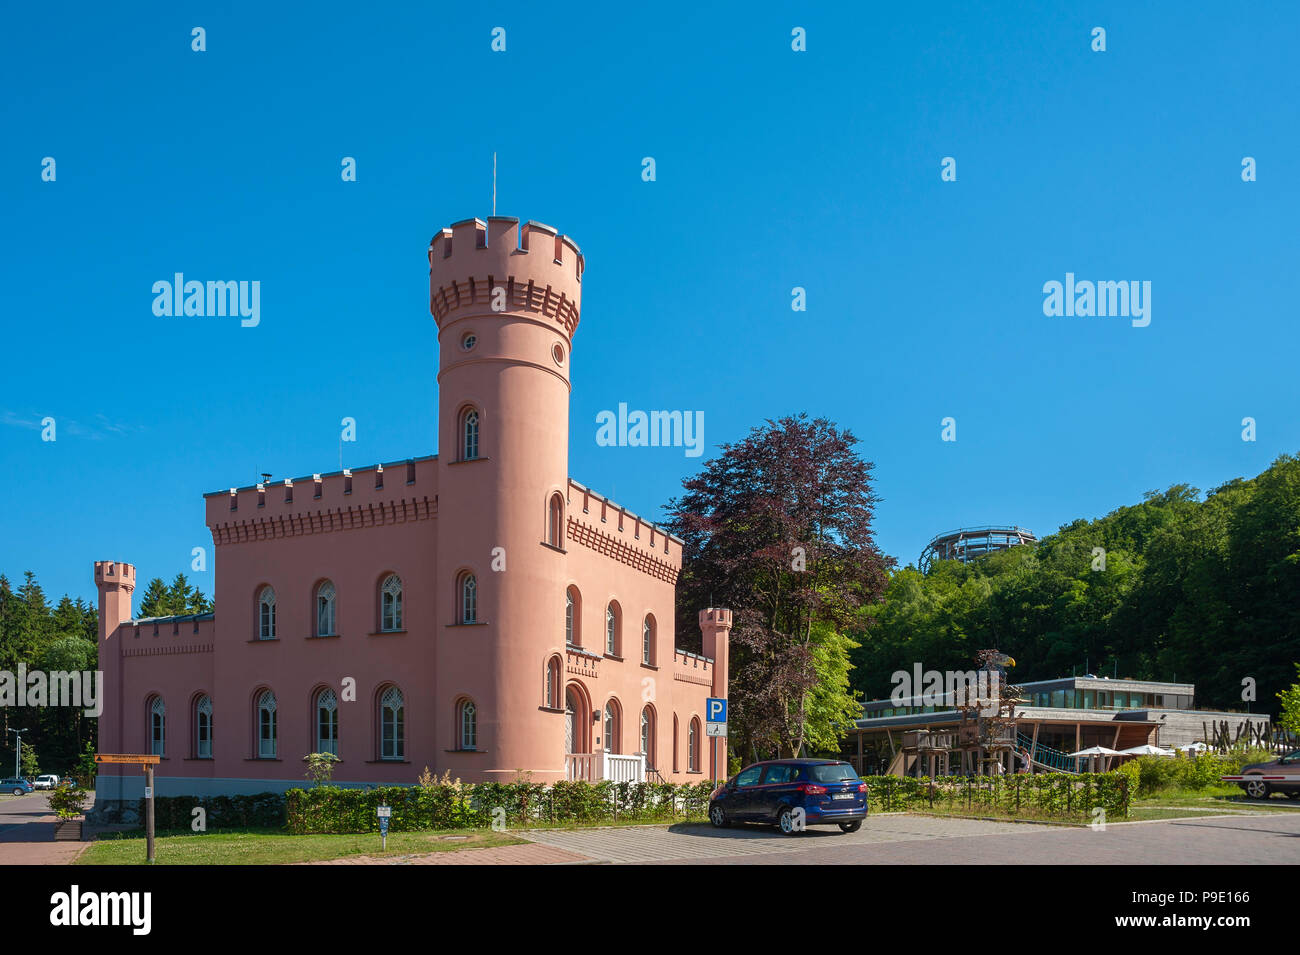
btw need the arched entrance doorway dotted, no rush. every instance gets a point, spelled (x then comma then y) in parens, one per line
(578, 760)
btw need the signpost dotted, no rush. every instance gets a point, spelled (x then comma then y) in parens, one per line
(715, 727)
(147, 762)
(384, 812)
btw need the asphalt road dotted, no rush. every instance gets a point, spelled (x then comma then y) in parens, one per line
(17, 810)
(1235, 840)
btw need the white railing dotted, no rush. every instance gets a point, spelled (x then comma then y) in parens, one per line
(580, 766)
(615, 767)
(623, 769)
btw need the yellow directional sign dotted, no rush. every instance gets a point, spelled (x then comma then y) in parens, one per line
(127, 758)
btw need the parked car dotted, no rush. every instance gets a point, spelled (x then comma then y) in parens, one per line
(1261, 780)
(792, 794)
(19, 787)
(48, 781)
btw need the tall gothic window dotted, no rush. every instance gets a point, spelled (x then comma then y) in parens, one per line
(553, 676)
(555, 522)
(469, 435)
(157, 726)
(325, 619)
(611, 629)
(648, 736)
(390, 603)
(693, 747)
(571, 635)
(203, 727)
(648, 639)
(612, 729)
(468, 599)
(266, 614)
(392, 720)
(468, 725)
(327, 722)
(266, 730)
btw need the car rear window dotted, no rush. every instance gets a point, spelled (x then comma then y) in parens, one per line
(834, 773)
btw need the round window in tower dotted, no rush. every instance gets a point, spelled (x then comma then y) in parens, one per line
(557, 352)
(468, 341)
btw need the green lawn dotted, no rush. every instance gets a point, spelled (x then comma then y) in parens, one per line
(1143, 812)
(269, 847)
(1171, 804)
(1220, 798)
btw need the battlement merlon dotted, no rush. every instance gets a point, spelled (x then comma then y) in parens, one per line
(537, 268)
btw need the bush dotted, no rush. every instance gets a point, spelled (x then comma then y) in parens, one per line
(260, 811)
(1156, 774)
(1055, 794)
(438, 804)
(447, 804)
(67, 802)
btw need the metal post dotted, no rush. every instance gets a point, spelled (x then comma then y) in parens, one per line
(148, 812)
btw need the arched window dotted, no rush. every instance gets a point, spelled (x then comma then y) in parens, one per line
(157, 726)
(553, 676)
(572, 618)
(266, 614)
(613, 732)
(648, 736)
(327, 722)
(325, 594)
(203, 727)
(648, 640)
(555, 521)
(611, 628)
(469, 434)
(693, 747)
(266, 732)
(674, 742)
(392, 724)
(468, 591)
(390, 603)
(468, 720)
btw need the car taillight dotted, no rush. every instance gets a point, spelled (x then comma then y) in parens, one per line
(862, 787)
(812, 789)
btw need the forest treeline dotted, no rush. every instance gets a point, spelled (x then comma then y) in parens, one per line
(1201, 589)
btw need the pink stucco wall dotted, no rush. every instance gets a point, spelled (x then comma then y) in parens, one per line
(431, 520)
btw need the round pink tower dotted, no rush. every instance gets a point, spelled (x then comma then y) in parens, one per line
(507, 302)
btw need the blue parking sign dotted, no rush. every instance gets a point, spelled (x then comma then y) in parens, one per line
(715, 710)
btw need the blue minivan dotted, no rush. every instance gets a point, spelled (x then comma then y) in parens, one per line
(792, 794)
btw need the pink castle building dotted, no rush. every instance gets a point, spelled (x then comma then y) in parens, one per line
(477, 612)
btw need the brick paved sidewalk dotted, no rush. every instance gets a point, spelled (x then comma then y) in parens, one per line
(33, 843)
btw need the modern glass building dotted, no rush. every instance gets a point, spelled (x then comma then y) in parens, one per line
(1058, 716)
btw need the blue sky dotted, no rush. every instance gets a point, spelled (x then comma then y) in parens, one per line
(775, 169)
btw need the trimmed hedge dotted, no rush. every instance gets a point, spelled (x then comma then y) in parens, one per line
(330, 809)
(1056, 794)
(260, 811)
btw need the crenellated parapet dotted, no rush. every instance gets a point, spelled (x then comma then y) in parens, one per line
(692, 668)
(535, 268)
(395, 493)
(115, 573)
